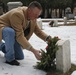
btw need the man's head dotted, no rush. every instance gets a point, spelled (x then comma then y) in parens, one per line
(34, 10)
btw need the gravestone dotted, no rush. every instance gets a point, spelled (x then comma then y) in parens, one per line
(55, 23)
(70, 16)
(65, 20)
(51, 23)
(12, 5)
(39, 23)
(63, 58)
(68, 13)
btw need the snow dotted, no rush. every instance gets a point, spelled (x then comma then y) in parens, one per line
(27, 65)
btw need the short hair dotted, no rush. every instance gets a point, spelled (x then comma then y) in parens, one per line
(35, 4)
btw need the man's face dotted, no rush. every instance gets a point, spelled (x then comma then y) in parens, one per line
(33, 13)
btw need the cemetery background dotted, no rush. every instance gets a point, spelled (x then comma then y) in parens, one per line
(26, 67)
(29, 61)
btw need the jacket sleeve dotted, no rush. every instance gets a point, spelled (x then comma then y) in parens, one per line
(16, 20)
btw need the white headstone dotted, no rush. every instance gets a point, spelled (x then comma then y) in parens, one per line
(39, 23)
(65, 20)
(12, 5)
(63, 58)
(55, 23)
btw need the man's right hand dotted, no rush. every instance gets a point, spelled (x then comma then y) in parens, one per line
(37, 53)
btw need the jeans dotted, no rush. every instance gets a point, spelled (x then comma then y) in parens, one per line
(10, 47)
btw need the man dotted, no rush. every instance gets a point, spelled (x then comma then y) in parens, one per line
(16, 27)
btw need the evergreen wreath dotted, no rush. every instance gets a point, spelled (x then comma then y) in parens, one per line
(47, 61)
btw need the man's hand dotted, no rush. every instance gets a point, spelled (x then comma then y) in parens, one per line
(37, 53)
(48, 39)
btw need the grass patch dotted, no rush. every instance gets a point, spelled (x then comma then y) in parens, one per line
(54, 72)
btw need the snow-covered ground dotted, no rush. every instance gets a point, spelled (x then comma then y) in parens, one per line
(26, 67)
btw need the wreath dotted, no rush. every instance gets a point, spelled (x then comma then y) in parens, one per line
(48, 60)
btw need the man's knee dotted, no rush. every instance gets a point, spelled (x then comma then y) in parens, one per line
(9, 31)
